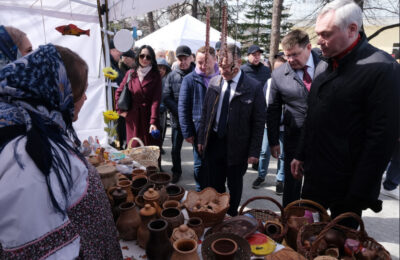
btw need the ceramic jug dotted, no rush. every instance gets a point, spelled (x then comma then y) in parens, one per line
(158, 247)
(128, 221)
(147, 213)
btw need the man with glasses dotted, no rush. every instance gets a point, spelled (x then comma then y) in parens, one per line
(290, 86)
(170, 98)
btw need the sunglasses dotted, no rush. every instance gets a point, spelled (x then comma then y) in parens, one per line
(142, 56)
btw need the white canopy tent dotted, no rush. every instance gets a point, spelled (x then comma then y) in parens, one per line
(38, 19)
(186, 30)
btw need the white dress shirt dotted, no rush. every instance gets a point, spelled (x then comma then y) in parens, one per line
(234, 84)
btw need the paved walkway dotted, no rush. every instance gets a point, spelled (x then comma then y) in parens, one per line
(383, 226)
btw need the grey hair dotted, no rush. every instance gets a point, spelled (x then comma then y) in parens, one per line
(346, 12)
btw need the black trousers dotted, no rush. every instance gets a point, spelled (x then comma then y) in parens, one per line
(291, 187)
(218, 171)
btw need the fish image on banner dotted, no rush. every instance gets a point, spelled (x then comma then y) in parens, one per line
(72, 29)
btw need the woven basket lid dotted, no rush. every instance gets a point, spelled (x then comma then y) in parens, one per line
(106, 170)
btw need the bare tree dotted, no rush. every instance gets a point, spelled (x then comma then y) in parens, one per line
(275, 28)
(150, 20)
(194, 8)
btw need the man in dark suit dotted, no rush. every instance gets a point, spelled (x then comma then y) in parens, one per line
(231, 127)
(353, 116)
(290, 86)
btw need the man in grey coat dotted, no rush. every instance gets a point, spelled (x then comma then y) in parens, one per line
(290, 86)
(353, 116)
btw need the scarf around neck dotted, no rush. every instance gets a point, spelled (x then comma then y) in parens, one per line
(142, 72)
(206, 79)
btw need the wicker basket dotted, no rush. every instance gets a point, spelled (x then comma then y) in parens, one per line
(206, 195)
(264, 215)
(145, 155)
(296, 209)
(360, 235)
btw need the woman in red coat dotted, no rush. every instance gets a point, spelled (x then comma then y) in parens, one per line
(145, 87)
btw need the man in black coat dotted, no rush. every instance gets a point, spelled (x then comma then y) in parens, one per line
(231, 127)
(353, 116)
(290, 86)
(170, 99)
(254, 68)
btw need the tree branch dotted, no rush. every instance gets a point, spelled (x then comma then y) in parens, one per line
(382, 29)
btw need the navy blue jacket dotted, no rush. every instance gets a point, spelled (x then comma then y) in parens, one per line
(260, 72)
(191, 97)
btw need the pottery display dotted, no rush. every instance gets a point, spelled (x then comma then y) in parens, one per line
(138, 182)
(160, 179)
(151, 169)
(197, 225)
(126, 185)
(171, 204)
(185, 249)
(147, 213)
(240, 225)
(174, 217)
(183, 231)
(159, 246)
(174, 192)
(119, 196)
(224, 248)
(128, 221)
(208, 204)
(108, 175)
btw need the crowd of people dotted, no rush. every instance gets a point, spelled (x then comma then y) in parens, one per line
(330, 116)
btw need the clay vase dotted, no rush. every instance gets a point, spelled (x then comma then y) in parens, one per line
(158, 247)
(147, 214)
(151, 169)
(185, 249)
(183, 231)
(126, 185)
(224, 248)
(138, 182)
(197, 225)
(273, 229)
(174, 217)
(108, 175)
(128, 221)
(119, 196)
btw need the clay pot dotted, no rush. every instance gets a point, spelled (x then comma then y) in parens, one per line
(175, 192)
(128, 221)
(171, 204)
(108, 175)
(147, 214)
(273, 229)
(185, 249)
(197, 225)
(160, 179)
(121, 177)
(159, 246)
(151, 169)
(151, 195)
(138, 182)
(183, 231)
(174, 217)
(126, 185)
(224, 248)
(138, 171)
(119, 196)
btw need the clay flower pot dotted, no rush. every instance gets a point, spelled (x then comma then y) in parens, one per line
(197, 225)
(185, 249)
(171, 204)
(128, 221)
(224, 248)
(138, 171)
(175, 192)
(174, 217)
(160, 179)
(151, 169)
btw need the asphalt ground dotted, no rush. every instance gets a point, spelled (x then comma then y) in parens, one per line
(382, 226)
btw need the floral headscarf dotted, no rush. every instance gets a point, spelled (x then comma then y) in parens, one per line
(36, 101)
(8, 49)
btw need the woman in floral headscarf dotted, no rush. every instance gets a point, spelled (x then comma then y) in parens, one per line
(52, 203)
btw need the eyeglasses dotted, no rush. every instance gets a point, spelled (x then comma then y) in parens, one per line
(142, 56)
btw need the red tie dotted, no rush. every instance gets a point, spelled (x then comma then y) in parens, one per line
(306, 78)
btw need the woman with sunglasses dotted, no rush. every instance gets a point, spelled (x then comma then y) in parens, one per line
(142, 120)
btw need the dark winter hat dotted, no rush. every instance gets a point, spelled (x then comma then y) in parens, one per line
(279, 54)
(253, 49)
(183, 50)
(163, 62)
(218, 45)
(129, 54)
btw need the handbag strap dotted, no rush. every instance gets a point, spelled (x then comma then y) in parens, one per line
(129, 78)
